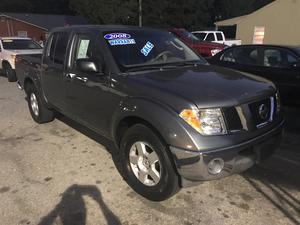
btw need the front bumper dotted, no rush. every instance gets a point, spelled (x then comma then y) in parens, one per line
(193, 166)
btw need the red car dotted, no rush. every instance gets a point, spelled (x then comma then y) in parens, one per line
(204, 48)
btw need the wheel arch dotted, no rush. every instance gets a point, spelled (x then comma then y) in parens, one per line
(160, 119)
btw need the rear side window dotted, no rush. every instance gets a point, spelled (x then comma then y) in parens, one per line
(219, 36)
(279, 58)
(56, 52)
(210, 37)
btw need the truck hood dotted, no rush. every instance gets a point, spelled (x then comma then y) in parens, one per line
(204, 86)
(25, 52)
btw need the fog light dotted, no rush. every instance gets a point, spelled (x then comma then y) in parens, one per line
(215, 166)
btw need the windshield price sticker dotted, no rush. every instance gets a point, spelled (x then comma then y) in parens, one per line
(147, 48)
(114, 36)
(122, 42)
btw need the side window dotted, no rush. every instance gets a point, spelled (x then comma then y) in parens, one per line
(292, 60)
(228, 56)
(51, 48)
(56, 49)
(60, 48)
(85, 48)
(246, 56)
(219, 37)
(210, 37)
(279, 58)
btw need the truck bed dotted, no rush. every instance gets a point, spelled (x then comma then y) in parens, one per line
(27, 64)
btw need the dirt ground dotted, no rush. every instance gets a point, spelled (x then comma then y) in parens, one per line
(60, 173)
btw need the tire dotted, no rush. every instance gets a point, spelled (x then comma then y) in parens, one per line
(38, 110)
(155, 181)
(9, 72)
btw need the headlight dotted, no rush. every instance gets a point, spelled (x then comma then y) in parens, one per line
(215, 51)
(206, 122)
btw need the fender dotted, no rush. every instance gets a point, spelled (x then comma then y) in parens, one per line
(164, 119)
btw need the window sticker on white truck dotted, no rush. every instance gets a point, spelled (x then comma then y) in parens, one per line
(122, 42)
(114, 36)
(147, 48)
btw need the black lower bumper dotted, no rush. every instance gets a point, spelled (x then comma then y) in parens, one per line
(196, 166)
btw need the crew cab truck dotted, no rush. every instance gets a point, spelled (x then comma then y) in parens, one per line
(10, 47)
(175, 119)
(216, 37)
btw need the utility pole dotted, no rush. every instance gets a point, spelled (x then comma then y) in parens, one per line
(140, 13)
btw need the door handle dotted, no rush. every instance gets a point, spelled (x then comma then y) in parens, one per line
(83, 79)
(70, 75)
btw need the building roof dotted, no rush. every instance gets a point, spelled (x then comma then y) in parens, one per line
(46, 22)
(236, 20)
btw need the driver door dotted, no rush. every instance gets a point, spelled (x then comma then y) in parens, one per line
(86, 93)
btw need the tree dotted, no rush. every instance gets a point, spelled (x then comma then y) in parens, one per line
(106, 11)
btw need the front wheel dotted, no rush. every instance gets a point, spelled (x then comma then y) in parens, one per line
(148, 168)
(9, 72)
(39, 112)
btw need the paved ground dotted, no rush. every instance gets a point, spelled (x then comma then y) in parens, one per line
(60, 173)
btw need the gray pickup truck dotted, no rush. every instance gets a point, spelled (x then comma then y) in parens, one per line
(175, 119)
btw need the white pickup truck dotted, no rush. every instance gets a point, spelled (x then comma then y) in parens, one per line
(216, 36)
(10, 47)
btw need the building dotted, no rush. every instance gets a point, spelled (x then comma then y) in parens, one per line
(276, 23)
(35, 26)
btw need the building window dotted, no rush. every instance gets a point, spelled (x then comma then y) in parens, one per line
(259, 35)
(22, 33)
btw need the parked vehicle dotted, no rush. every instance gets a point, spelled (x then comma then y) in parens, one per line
(277, 63)
(215, 36)
(10, 47)
(175, 119)
(204, 48)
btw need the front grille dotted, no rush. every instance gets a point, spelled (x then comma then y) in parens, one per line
(233, 120)
(250, 116)
(262, 111)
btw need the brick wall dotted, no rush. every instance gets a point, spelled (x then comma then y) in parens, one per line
(11, 27)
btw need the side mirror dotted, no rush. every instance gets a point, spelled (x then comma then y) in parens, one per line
(88, 66)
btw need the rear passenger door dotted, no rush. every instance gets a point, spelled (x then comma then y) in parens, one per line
(53, 68)
(280, 66)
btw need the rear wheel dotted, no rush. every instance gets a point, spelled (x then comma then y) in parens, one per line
(148, 168)
(9, 72)
(39, 112)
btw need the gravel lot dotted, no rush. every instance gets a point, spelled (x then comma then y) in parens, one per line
(60, 173)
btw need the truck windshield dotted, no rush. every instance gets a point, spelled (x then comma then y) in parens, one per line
(140, 48)
(19, 44)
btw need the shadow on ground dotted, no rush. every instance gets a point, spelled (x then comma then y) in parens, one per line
(278, 178)
(108, 144)
(71, 210)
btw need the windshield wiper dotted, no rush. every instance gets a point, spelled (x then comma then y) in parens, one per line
(143, 67)
(162, 66)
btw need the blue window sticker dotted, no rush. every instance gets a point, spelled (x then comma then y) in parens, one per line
(122, 42)
(147, 48)
(113, 36)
